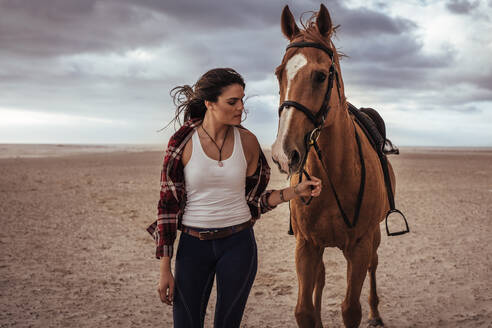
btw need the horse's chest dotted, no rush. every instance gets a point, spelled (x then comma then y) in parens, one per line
(322, 229)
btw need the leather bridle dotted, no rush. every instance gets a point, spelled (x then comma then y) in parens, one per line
(318, 121)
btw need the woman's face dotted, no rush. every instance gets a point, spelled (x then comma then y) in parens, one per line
(229, 105)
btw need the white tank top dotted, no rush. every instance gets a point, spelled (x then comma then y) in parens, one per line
(215, 195)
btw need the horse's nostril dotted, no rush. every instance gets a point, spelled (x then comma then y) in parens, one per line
(294, 157)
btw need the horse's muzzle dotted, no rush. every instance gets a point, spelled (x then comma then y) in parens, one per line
(293, 164)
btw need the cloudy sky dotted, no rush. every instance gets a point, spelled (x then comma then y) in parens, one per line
(100, 71)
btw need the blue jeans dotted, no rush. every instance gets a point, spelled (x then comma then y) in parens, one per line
(232, 259)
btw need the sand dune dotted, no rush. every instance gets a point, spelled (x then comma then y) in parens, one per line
(75, 253)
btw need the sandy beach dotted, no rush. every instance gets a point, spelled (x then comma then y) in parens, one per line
(74, 251)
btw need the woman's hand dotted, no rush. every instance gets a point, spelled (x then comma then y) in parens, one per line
(304, 188)
(166, 286)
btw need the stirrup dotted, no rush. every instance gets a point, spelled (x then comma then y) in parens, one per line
(398, 233)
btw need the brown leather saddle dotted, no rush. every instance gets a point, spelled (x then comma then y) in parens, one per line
(374, 128)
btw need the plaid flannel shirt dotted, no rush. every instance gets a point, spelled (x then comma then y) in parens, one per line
(173, 192)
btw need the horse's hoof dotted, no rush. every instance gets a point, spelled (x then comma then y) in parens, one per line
(375, 322)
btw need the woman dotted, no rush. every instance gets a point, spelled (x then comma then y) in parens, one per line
(213, 189)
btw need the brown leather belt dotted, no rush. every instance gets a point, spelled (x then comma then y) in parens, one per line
(209, 234)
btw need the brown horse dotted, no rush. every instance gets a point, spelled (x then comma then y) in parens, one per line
(309, 66)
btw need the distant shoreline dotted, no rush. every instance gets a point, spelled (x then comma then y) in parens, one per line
(59, 150)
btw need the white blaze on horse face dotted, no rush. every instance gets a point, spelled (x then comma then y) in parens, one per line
(278, 153)
(292, 68)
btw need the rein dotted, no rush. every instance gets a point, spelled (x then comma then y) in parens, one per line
(318, 121)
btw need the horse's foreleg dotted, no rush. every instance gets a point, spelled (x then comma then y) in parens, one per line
(308, 257)
(374, 317)
(318, 290)
(358, 258)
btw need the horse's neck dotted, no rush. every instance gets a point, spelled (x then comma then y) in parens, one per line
(340, 152)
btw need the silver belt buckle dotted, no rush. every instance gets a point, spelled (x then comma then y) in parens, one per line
(204, 234)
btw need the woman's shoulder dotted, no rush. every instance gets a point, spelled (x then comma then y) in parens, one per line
(179, 136)
(250, 144)
(248, 138)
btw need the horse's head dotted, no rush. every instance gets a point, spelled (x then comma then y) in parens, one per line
(307, 99)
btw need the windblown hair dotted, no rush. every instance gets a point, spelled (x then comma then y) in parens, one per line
(190, 100)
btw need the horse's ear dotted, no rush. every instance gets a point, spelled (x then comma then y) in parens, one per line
(288, 23)
(323, 21)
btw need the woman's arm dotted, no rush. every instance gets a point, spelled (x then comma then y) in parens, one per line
(251, 148)
(166, 281)
(302, 189)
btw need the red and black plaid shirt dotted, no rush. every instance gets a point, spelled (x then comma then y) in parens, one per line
(173, 192)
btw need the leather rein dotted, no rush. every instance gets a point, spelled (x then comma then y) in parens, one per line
(318, 121)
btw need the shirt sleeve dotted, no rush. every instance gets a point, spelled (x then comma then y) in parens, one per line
(264, 206)
(167, 218)
(256, 193)
(164, 229)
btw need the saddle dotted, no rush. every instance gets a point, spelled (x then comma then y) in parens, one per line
(374, 128)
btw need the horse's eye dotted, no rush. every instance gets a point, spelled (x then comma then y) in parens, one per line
(319, 77)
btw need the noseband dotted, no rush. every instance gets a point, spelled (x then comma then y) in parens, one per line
(318, 121)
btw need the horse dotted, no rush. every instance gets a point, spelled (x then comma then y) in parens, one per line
(347, 213)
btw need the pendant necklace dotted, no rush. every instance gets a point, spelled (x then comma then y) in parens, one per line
(220, 149)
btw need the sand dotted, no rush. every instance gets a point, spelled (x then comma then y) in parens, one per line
(74, 251)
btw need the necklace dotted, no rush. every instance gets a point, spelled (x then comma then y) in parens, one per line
(220, 149)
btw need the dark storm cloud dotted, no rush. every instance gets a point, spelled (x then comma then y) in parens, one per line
(60, 27)
(483, 81)
(252, 53)
(461, 6)
(384, 51)
(401, 50)
(359, 22)
(252, 14)
(56, 27)
(383, 77)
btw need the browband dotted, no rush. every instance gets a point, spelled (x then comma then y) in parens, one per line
(304, 44)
